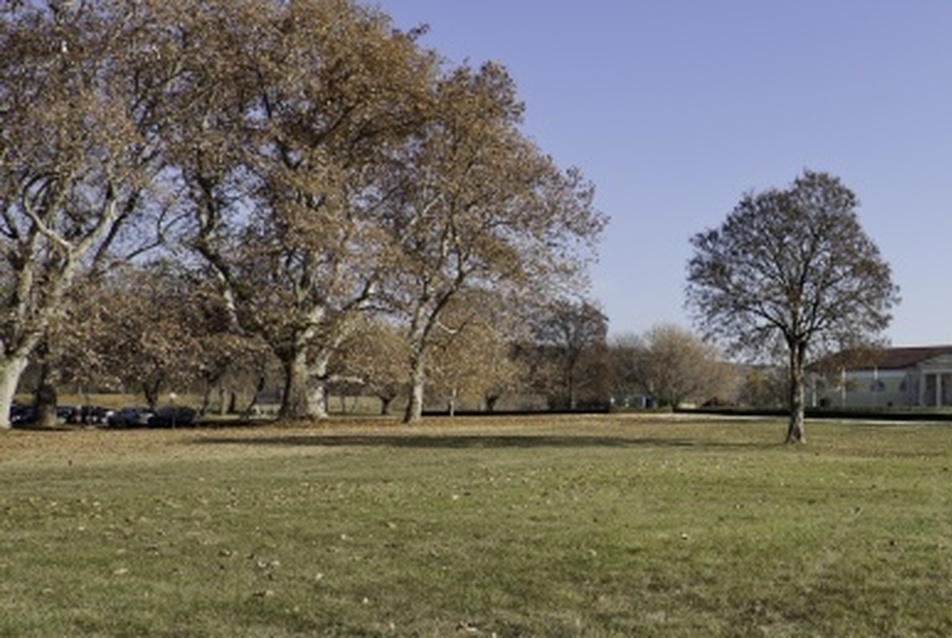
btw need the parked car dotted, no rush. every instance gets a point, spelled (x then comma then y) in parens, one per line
(85, 414)
(22, 414)
(26, 414)
(172, 416)
(129, 418)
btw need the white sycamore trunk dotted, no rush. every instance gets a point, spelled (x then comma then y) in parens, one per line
(11, 369)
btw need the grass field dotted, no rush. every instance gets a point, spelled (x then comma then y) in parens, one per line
(566, 526)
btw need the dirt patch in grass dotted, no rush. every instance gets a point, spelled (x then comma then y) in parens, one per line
(91, 446)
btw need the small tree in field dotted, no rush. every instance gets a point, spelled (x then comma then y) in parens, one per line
(791, 269)
(568, 358)
(673, 365)
(471, 352)
(375, 353)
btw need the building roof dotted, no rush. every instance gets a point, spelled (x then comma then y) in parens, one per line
(897, 358)
(884, 358)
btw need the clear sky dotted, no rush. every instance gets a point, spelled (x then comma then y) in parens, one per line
(676, 108)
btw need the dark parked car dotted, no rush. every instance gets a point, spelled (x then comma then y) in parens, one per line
(22, 414)
(26, 414)
(84, 414)
(129, 418)
(171, 417)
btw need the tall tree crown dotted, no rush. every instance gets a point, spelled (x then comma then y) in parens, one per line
(793, 264)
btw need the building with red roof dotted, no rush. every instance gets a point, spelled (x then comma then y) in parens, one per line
(888, 377)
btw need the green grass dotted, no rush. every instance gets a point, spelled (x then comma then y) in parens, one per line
(601, 526)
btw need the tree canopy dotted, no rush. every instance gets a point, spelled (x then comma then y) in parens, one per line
(673, 365)
(308, 161)
(791, 270)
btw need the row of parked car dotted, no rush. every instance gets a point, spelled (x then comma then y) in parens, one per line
(169, 416)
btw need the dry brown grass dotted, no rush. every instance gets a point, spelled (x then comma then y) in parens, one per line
(83, 446)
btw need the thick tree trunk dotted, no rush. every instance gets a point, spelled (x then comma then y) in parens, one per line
(305, 386)
(225, 400)
(11, 369)
(317, 387)
(44, 404)
(295, 403)
(795, 429)
(424, 319)
(45, 397)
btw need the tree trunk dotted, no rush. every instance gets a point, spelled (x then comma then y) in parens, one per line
(44, 397)
(452, 406)
(207, 399)
(414, 412)
(225, 400)
(418, 340)
(10, 371)
(295, 401)
(385, 401)
(573, 400)
(795, 430)
(303, 399)
(250, 408)
(151, 389)
(44, 404)
(317, 392)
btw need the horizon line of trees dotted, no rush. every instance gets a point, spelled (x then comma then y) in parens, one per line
(156, 330)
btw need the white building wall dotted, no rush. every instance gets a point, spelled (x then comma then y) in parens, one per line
(863, 389)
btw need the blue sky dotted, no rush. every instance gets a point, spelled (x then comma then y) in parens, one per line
(676, 108)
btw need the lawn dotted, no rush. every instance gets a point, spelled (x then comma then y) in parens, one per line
(560, 526)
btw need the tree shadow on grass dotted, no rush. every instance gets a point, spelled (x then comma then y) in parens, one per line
(477, 441)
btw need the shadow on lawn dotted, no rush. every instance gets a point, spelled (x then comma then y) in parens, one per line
(475, 441)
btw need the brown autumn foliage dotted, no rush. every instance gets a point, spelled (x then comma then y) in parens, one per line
(312, 164)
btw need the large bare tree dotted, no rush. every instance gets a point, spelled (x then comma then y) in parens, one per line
(482, 208)
(296, 113)
(76, 154)
(791, 269)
